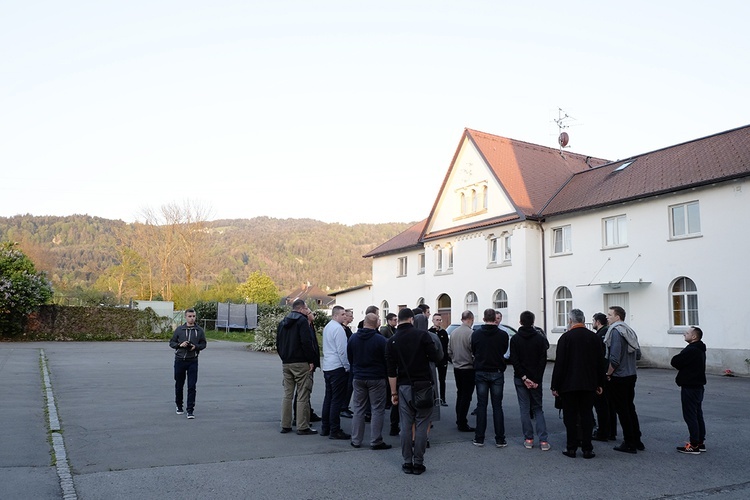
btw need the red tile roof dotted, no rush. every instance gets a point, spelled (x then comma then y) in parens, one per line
(711, 159)
(471, 226)
(411, 238)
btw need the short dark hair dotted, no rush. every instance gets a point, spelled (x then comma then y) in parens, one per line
(372, 309)
(619, 311)
(467, 315)
(698, 332)
(416, 311)
(527, 318)
(489, 315)
(191, 310)
(297, 304)
(405, 314)
(391, 316)
(437, 314)
(424, 308)
(601, 318)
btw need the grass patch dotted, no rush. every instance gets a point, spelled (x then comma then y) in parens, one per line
(246, 337)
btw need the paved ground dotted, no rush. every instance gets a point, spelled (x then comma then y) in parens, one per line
(123, 439)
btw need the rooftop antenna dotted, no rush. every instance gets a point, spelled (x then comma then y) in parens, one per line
(562, 123)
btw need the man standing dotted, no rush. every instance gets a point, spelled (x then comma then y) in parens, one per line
(459, 350)
(295, 347)
(421, 317)
(346, 412)
(335, 373)
(528, 354)
(442, 366)
(366, 352)
(408, 356)
(622, 345)
(577, 376)
(691, 378)
(606, 417)
(370, 309)
(389, 329)
(188, 341)
(489, 345)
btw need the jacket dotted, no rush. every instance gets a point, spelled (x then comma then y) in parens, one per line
(443, 336)
(408, 355)
(294, 339)
(691, 363)
(489, 344)
(528, 354)
(193, 334)
(578, 361)
(366, 352)
(459, 348)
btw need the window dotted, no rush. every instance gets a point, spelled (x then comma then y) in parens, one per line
(420, 263)
(420, 301)
(493, 250)
(615, 231)
(472, 303)
(463, 203)
(685, 220)
(485, 197)
(500, 300)
(684, 302)
(439, 262)
(402, 266)
(499, 249)
(563, 306)
(384, 310)
(449, 251)
(561, 240)
(474, 201)
(506, 248)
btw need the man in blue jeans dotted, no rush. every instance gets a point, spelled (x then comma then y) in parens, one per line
(488, 345)
(188, 341)
(336, 373)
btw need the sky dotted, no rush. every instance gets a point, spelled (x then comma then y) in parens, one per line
(340, 111)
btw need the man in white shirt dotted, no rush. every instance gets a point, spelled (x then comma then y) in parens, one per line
(336, 373)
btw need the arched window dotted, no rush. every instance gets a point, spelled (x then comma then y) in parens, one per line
(485, 197)
(474, 201)
(472, 303)
(500, 299)
(684, 302)
(449, 251)
(463, 203)
(420, 301)
(384, 310)
(563, 306)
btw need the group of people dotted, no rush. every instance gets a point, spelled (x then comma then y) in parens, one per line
(402, 365)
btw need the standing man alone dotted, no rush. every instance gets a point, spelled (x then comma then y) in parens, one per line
(188, 341)
(691, 378)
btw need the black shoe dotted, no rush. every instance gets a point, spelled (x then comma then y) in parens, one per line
(589, 454)
(394, 431)
(443, 403)
(465, 428)
(339, 434)
(285, 430)
(355, 445)
(428, 444)
(625, 449)
(408, 468)
(417, 469)
(346, 413)
(569, 453)
(640, 446)
(307, 432)
(381, 446)
(315, 418)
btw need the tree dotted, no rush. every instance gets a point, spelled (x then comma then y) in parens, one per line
(22, 288)
(260, 289)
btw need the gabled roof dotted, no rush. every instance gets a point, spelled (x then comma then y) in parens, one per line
(306, 292)
(696, 163)
(409, 239)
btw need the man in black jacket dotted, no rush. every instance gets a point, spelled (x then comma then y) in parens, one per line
(691, 378)
(295, 347)
(577, 376)
(528, 354)
(188, 341)
(408, 356)
(489, 345)
(442, 366)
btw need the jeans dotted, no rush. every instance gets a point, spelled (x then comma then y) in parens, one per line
(420, 420)
(490, 384)
(182, 369)
(464, 390)
(622, 391)
(531, 400)
(336, 381)
(296, 376)
(368, 395)
(692, 412)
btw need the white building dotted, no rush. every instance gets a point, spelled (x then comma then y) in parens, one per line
(519, 226)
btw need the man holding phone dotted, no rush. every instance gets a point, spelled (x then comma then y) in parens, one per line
(188, 340)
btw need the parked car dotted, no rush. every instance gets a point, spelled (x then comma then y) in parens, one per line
(512, 331)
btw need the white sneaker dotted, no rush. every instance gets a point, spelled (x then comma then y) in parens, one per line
(190, 415)
(179, 411)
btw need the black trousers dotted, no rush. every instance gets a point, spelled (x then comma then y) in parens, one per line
(622, 391)
(578, 411)
(442, 372)
(464, 390)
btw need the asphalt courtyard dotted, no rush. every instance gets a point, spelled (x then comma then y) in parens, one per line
(123, 440)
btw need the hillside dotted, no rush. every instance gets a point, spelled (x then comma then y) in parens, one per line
(76, 250)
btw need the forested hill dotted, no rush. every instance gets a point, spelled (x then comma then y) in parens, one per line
(77, 250)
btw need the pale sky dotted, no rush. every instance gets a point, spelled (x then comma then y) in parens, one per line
(341, 111)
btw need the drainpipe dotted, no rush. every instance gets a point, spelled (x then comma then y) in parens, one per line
(544, 279)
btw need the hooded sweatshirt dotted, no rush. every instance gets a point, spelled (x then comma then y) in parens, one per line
(366, 353)
(489, 344)
(691, 363)
(294, 339)
(528, 354)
